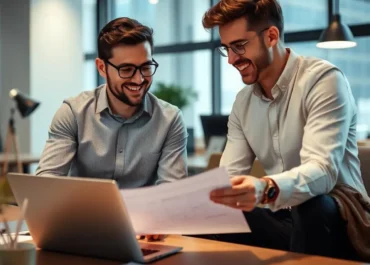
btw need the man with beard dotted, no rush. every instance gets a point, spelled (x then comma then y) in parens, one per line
(298, 118)
(119, 130)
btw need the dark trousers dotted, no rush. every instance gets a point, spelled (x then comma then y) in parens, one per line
(314, 227)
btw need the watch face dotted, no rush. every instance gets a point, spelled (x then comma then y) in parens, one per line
(271, 192)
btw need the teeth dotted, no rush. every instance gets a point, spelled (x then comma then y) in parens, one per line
(242, 67)
(134, 88)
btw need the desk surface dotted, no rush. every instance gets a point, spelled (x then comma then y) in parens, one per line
(197, 251)
(203, 252)
(25, 158)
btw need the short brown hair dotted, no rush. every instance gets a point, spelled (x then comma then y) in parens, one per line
(122, 30)
(257, 12)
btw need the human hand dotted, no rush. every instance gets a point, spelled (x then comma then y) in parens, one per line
(244, 194)
(151, 237)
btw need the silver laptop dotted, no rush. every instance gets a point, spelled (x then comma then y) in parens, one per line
(82, 216)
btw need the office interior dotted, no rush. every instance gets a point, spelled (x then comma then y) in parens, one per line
(48, 48)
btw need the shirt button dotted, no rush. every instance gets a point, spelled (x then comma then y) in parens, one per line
(121, 150)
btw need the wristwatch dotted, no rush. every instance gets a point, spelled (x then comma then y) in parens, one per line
(271, 191)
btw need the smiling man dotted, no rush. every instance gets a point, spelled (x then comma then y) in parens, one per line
(119, 130)
(298, 117)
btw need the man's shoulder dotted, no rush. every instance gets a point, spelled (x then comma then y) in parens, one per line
(162, 107)
(84, 99)
(244, 94)
(314, 67)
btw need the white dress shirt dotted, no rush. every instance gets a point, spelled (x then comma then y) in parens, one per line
(305, 138)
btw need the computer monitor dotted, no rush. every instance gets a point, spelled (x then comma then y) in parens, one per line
(214, 125)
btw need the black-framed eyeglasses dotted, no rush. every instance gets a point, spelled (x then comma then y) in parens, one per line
(129, 70)
(237, 47)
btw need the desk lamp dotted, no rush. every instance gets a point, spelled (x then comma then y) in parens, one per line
(25, 106)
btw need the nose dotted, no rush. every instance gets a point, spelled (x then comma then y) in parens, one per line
(232, 57)
(137, 78)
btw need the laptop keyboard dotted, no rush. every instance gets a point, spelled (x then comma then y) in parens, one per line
(147, 251)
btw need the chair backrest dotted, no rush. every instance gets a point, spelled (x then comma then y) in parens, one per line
(364, 156)
(214, 161)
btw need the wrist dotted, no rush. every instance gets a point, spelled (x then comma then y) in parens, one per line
(271, 191)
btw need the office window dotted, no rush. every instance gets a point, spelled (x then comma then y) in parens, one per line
(173, 21)
(355, 11)
(188, 70)
(355, 64)
(304, 15)
(89, 25)
(90, 73)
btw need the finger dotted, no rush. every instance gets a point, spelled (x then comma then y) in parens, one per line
(245, 198)
(162, 237)
(237, 180)
(226, 192)
(243, 207)
(153, 237)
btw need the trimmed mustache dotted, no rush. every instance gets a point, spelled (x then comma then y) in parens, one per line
(134, 84)
(244, 60)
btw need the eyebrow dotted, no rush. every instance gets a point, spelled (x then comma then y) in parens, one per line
(235, 41)
(130, 64)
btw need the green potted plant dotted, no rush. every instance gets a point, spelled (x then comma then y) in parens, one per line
(180, 97)
(174, 94)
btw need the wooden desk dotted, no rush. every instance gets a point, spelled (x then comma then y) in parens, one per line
(205, 252)
(197, 251)
(26, 159)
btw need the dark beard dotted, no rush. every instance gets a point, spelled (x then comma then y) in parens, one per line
(264, 61)
(122, 96)
(260, 63)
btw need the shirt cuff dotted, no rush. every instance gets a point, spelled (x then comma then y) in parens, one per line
(293, 185)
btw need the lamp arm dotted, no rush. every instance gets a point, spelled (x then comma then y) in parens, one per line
(336, 7)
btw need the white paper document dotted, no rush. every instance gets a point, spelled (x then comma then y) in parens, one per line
(184, 207)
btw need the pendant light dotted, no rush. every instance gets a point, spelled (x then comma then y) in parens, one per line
(337, 35)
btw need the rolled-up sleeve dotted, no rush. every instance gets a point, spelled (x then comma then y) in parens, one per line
(60, 148)
(172, 164)
(330, 110)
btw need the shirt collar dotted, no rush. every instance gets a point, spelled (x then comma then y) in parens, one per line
(147, 104)
(286, 76)
(102, 102)
(289, 71)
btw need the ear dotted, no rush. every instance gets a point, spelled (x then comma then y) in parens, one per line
(100, 65)
(273, 36)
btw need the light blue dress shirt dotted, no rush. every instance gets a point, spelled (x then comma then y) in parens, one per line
(87, 140)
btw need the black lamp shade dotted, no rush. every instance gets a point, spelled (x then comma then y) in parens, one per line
(25, 105)
(336, 36)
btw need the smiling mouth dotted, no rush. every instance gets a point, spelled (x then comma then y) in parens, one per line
(242, 66)
(134, 88)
